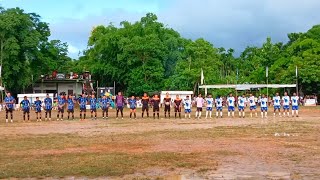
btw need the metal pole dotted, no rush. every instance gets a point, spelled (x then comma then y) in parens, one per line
(297, 88)
(268, 88)
(114, 87)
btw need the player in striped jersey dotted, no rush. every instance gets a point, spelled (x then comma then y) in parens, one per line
(25, 103)
(93, 107)
(70, 102)
(82, 101)
(105, 103)
(61, 105)
(133, 106)
(47, 107)
(37, 105)
(9, 102)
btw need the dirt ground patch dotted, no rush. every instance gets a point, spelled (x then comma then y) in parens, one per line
(227, 148)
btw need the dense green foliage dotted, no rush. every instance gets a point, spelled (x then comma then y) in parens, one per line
(147, 56)
(25, 51)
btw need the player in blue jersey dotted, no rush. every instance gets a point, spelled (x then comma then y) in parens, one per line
(209, 102)
(37, 107)
(70, 106)
(93, 107)
(61, 106)
(231, 102)
(47, 107)
(241, 105)
(187, 107)
(83, 106)
(295, 104)
(253, 105)
(9, 104)
(219, 102)
(105, 104)
(286, 104)
(133, 106)
(264, 106)
(25, 104)
(276, 104)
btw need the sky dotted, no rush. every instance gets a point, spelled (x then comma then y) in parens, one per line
(225, 23)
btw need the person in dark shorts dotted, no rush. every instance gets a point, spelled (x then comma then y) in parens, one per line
(37, 105)
(177, 106)
(70, 107)
(145, 104)
(133, 105)
(47, 107)
(93, 107)
(105, 103)
(82, 101)
(167, 104)
(9, 103)
(120, 104)
(156, 106)
(61, 105)
(25, 104)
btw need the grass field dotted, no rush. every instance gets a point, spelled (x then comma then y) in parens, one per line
(249, 148)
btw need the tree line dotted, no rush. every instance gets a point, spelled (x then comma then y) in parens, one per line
(148, 56)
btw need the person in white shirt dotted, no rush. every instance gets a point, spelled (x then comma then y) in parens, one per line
(230, 102)
(241, 105)
(187, 107)
(286, 104)
(253, 106)
(218, 102)
(276, 104)
(264, 106)
(199, 102)
(295, 104)
(209, 102)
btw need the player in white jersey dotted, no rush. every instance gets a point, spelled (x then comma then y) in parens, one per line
(199, 102)
(209, 102)
(276, 104)
(218, 102)
(187, 107)
(241, 105)
(264, 106)
(295, 104)
(286, 104)
(252, 104)
(230, 101)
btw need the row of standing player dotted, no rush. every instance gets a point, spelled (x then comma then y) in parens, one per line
(243, 101)
(155, 101)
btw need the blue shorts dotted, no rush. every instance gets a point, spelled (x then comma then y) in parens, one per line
(295, 107)
(241, 108)
(231, 108)
(276, 107)
(209, 108)
(286, 107)
(253, 107)
(187, 111)
(38, 110)
(264, 108)
(219, 108)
